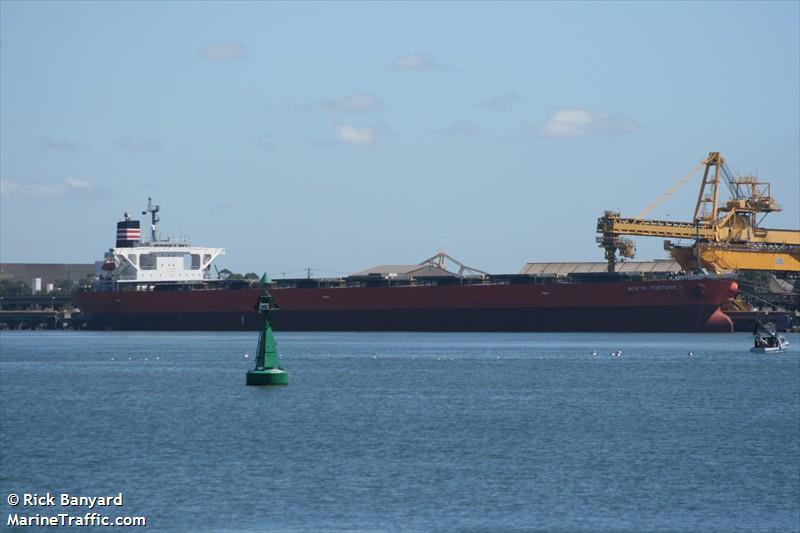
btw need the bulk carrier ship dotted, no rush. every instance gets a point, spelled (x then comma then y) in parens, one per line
(167, 285)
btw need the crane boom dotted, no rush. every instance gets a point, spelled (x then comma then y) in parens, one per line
(613, 223)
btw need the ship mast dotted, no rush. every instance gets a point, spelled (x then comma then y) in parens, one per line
(154, 218)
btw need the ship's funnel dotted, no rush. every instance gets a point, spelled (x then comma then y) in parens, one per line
(128, 233)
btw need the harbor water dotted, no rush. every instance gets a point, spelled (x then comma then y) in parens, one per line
(407, 431)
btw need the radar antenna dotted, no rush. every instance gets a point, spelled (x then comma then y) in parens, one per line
(154, 218)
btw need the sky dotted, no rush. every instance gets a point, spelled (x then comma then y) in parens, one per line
(342, 135)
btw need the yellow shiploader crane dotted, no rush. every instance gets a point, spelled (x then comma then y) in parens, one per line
(726, 236)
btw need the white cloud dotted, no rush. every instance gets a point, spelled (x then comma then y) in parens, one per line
(264, 141)
(356, 103)
(417, 62)
(463, 128)
(40, 190)
(64, 145)
(133, 144)
(77, 184)
(569, 123)
(503, 102)
(223, 51)
(8, 187)
(566, 123)
(354, 135)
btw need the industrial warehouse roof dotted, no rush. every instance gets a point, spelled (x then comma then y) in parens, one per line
(404, 271)
(48, 272)
(667, 265)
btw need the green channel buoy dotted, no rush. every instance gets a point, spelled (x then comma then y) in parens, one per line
(268, 369)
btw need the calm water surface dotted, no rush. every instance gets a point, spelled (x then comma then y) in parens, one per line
(413, 432)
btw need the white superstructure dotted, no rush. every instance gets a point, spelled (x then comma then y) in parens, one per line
(157, 261)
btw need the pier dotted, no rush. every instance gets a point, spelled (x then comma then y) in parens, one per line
(39, 312)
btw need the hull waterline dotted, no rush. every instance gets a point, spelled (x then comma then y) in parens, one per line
(655, 306)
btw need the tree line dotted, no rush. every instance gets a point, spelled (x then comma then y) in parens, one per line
(62, 287)
(228, 275)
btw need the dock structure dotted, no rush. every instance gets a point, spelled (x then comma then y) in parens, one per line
(39, 312)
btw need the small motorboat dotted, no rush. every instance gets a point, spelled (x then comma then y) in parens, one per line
(767, 340)
(780, 346)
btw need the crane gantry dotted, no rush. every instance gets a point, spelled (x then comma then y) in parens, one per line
(727, 236)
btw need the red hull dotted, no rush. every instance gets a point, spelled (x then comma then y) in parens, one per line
(664, 305)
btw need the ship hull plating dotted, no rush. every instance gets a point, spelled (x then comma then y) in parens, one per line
(685, 305)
